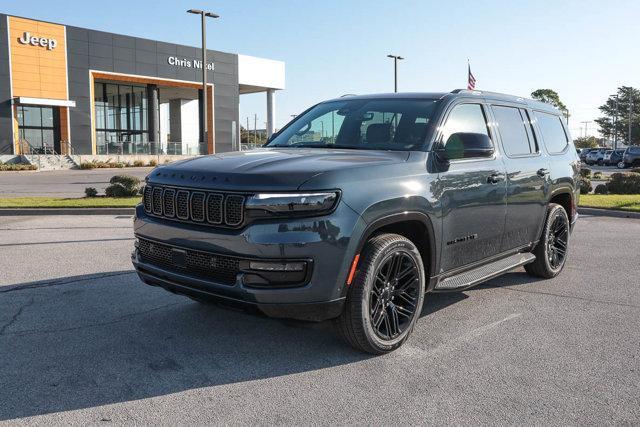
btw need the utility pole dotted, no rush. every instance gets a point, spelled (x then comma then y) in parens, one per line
(630, 115)
(203, 15)
(615, 125)
(255, 128)
(586, 125)
(395, 58)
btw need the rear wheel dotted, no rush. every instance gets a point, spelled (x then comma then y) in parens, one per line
(385, 299)
(551, 251)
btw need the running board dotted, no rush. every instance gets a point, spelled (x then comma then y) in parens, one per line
(484, 272)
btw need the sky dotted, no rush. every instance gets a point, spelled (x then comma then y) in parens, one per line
(582, 49)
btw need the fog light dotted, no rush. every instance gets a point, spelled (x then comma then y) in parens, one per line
(276, 266)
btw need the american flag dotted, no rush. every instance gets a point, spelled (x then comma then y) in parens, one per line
(471, 82)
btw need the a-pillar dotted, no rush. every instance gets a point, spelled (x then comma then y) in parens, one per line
(271, 111)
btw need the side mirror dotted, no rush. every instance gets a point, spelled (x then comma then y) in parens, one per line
(464, 145)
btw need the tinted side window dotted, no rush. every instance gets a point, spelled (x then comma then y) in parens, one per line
(515, 130)
(553, 132)
(468, 118)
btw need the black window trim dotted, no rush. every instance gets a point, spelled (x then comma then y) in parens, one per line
(566, 134)
(487, 118)
(534, 132)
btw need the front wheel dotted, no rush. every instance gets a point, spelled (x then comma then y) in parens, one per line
(621, 165)
(385, 299)
(551, 251)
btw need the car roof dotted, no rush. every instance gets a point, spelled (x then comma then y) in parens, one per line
(457, 93)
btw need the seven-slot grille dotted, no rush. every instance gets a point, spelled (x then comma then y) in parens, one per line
(218, 268)
(202, 207)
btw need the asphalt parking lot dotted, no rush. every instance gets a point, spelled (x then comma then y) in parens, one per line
(83, 341)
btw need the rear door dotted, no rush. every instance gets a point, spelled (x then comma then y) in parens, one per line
(472, 193)
(527, 175)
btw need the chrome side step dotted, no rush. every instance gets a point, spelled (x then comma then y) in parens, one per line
(484, 272)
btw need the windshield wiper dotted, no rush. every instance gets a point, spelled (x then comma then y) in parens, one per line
(347, 147)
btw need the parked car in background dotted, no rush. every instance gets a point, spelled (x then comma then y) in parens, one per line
(615, 157)
(583, 154)
(595, 156)
(607, 156)
(631, 156)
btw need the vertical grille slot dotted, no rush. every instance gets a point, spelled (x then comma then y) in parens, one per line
(214, 208)
(233, 207)
(148, 190)
(197, 207)
(169, 202)
(182, 204)
(156, 202)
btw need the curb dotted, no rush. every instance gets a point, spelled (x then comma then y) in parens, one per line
(65, 211)
(608, 212)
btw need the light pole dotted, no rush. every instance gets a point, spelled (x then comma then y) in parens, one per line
(203, 15)
(630, 117)
(396, 58)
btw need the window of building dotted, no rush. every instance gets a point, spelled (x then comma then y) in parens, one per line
(555, 138)
(121, 118)
(515, 130)
(37, 128)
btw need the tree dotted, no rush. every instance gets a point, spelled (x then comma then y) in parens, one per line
(586, 142)
(550, 96)
(627, 97)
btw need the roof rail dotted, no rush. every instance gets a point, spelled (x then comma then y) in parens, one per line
(473, 92)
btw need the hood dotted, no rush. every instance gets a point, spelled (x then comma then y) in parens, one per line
(267, 168)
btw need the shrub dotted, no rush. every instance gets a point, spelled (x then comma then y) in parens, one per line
(585, 173)
(153, 163)
(600, 189)
(635, 170)
(123, 186)
(120, 165)
(90, 192)
(87, 165)
(17, 167)
(138, 163)
(585, 186)
(624, 183)
(597, 175)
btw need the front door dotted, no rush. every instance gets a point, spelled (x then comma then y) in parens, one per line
(527, 175)
(473, 195)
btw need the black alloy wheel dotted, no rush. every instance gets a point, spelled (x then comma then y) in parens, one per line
(557, 241)
(553, 247)
(394, 295)
(384, 301)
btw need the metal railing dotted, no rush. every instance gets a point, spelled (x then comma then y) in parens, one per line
(121, 148)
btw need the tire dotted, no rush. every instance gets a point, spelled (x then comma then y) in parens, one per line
(546, 265)
(374, 286)
(621, 165)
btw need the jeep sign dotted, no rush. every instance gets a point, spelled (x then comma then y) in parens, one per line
(27, 38)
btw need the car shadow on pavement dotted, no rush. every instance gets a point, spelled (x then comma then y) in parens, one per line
(85, 341)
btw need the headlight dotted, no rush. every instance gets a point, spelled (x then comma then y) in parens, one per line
(292, 203)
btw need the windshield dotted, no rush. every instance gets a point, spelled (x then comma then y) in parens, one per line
(364, 124)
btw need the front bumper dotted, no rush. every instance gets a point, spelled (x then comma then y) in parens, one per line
(329, 242)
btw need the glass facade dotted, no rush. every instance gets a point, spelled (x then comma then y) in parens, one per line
(121, 119)
(38, 128)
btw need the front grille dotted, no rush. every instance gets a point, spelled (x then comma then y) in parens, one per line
(202, 207)
(218, 268)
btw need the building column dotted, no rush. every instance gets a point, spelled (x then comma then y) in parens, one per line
(271, 111)
(153, 118)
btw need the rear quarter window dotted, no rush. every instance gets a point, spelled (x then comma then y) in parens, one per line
(553, 134)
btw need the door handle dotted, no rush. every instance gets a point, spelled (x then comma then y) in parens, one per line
(542, 172)
(494, 178)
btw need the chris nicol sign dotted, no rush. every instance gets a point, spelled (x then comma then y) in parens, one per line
(187, 63)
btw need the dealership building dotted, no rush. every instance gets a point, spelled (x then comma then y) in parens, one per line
(71, 90)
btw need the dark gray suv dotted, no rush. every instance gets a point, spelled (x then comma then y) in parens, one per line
(363, 205)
